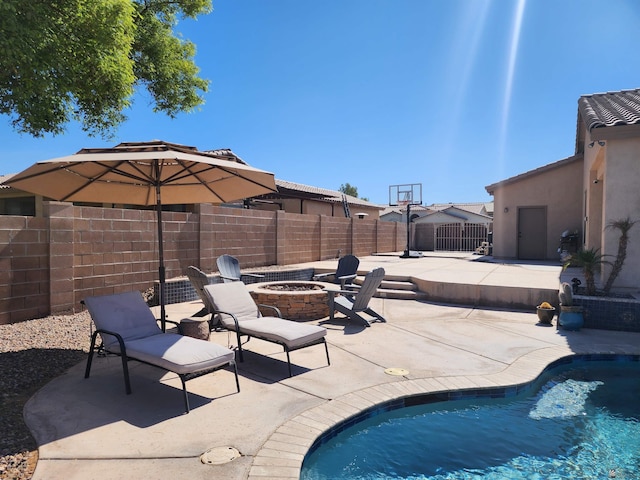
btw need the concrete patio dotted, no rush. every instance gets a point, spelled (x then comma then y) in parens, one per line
(90, 429)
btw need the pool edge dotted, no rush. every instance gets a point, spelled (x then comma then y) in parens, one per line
(282, 455)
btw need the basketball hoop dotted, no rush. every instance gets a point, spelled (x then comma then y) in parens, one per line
(404, 196)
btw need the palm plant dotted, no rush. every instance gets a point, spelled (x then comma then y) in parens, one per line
(589, 260)
(623, 225)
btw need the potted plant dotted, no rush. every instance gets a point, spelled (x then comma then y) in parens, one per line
(570, 317)
(545, 312)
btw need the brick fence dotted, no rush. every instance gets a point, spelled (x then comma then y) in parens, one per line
(48, 265)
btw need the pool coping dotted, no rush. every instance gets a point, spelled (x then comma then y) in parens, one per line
(283, 453)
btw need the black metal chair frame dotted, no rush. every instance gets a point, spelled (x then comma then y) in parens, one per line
(184, 377)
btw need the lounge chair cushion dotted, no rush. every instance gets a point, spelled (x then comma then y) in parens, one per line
(124, 313)
(235, 298)
(128, 315)
(279, 330)
(178, 353)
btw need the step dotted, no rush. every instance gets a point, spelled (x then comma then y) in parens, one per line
(400, 294)
(392, 284)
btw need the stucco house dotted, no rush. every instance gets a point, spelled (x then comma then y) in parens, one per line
(584, 193)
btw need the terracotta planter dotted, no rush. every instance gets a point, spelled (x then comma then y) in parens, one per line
(545, 315)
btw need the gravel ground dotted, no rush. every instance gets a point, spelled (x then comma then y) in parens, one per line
(31, 354)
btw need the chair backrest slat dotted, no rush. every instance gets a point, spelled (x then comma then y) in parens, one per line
(347, 265)
(199, 280)
(229, 268)
(372, 281)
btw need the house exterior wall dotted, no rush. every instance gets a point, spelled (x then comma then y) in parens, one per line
(50, 263)
(558, 189)
(618, 181)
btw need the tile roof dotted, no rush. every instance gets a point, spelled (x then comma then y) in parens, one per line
(4, 178)
(326, 194)
(610, 109)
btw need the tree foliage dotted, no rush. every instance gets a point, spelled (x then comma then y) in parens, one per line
(349, 189)
(81, 60)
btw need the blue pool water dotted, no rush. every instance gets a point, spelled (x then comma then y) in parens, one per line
(577, 421)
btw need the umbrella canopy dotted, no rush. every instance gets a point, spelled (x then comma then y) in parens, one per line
(150, 173)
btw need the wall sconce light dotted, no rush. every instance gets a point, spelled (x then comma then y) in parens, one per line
(596, 181)
(506, 210)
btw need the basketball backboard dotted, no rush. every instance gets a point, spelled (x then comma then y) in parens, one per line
(407, 194)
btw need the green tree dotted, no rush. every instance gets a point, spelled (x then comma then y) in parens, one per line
(81, 60)
(349, 189)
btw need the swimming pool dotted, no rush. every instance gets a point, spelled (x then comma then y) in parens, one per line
(579, 420)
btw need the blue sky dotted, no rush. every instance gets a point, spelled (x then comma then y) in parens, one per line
(452, 94)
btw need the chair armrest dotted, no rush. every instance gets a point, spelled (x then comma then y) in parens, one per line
(177, 324)
(320, 276)
(272, 307)
(235, 319)
(123, 349)
(235, 279)
(333, 293)
(346, 278)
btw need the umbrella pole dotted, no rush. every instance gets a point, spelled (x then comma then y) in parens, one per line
(161, 269)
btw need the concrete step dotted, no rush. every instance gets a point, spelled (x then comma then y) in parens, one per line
(400, 294)
(394, 285)
(391, 284)
(397, 287)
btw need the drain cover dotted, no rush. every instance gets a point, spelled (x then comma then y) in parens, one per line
(396, 371)
(219, 455)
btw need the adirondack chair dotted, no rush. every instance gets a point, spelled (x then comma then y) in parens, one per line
(198, 280)
(353, 303)
(229, 268)
(345, 274)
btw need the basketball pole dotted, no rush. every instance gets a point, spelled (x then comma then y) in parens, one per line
(407, 252)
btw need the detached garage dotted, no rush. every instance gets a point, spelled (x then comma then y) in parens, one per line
(533, 209)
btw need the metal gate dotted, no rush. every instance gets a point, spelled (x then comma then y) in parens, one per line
(459, 237)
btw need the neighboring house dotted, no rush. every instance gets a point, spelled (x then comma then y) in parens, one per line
(398, 214)
(584, 193)
(446, 226)
(291, 197)
(298, 198)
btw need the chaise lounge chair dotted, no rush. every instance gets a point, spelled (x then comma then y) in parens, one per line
(345, 274)
(352, 302)
(128, 328)
(239, 312)
(229, 269)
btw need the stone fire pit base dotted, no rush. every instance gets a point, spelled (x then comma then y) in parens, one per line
(297, 303)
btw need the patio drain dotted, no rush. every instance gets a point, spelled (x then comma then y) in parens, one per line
(399, 372)
(219, 455)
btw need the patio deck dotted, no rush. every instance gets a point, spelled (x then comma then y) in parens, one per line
(91, 429)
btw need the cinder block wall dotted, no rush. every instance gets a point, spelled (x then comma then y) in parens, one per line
(24, 268)
(50, 264)
(335, 238)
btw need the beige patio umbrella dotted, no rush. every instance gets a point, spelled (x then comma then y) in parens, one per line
(146, 173)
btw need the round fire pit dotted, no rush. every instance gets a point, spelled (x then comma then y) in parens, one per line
(297, 300)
